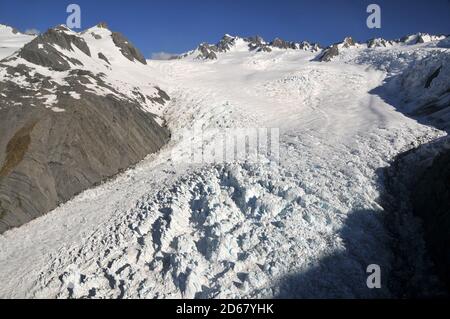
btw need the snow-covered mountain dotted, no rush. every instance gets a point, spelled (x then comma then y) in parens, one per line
(378, 43)
(255, 44)
(76, 108)
(304, 221)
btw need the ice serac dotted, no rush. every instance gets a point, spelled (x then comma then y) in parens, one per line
(207, 52)
(282, 44)
(68, 121)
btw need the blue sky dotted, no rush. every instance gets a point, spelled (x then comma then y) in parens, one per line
(177, 26)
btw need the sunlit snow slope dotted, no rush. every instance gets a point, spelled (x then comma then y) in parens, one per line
(305, 226)
(11, 40)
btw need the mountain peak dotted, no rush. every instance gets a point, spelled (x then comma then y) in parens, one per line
(333, 51)
(255, 43)
(348, 42)
(43, 50)
(127, 49)
(102, 25)
(61, 27)
(420, 37)
(51, 49)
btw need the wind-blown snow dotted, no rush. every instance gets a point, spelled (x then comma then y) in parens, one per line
(11, 41)
(307, 226)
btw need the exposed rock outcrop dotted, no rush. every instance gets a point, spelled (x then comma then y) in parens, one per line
(431, 202)
(282, 44)
(64, 132)
(128, 50)
(43, 50)
(334, 50)
(207, 52)
(256, 44)
(379, 43)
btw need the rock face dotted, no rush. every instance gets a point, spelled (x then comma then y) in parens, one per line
(258, 44)
(333, 51)
(281, 44)
(62, 133)
(431, 202)
(12, 40)
(128, 50)
(379, 43)
(329, 54)
(419, 38)
(207, 52)
(42, 50)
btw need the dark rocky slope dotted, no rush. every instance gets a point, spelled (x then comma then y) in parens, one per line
(414, 201)
(431, 202)
(333, 51)
(50, 153)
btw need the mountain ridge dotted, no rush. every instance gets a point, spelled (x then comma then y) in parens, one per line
(76, 108)
(206, 51)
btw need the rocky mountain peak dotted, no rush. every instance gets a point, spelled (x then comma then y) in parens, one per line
(332, 51)
(44, 49)
(379, 43)
(257, 43)
(102, 25)
(282, 44)
(49, 118)
(61, 27)
(254, 43)
(348, 42)
(127, 48)
(226, 43)
(420, 38)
